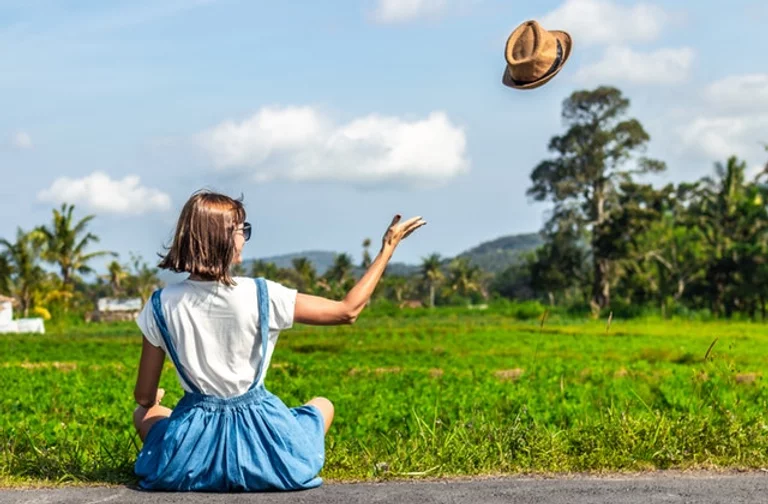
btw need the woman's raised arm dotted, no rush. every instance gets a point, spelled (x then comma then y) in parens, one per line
(316, 310)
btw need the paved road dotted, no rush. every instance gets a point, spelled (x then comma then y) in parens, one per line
(652, 488)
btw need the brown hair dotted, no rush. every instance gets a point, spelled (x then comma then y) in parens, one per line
(204, 242)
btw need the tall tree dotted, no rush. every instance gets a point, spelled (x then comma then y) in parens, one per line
(582, 179)
(66, 241)
(432, 275)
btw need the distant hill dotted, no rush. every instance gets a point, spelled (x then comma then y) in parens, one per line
(493, 256)
(497, 255)
(321, 259)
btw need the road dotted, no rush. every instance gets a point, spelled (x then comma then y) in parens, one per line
(646, 488)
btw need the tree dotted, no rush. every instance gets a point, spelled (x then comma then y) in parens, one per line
(116, 275)
(23, 258)
(658, 250)
(65, 243)
(514, 282)
(306, 273)
(464, 278)
(340, 269)
(366, 254)
(5, 274)
(558, 265)
(395, 287)
(142, 279)
(582, 180)
(732, 217)
(264, 269)
(432, 275)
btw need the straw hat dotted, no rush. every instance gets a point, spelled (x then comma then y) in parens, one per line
(534, 55)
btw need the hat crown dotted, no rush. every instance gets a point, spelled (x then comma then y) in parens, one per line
(530, 51)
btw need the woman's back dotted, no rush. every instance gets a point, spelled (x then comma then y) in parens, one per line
(214, 329)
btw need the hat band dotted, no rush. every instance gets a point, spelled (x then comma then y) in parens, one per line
(551, 70)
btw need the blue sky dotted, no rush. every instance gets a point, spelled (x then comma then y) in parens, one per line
(329, 117)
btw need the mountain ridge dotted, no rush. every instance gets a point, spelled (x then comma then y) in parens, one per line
(493, 255)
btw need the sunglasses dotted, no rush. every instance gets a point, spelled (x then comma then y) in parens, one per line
(247, 230)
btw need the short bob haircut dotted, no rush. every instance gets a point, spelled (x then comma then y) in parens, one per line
(204, 243)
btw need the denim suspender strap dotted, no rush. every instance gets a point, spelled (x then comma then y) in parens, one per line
(157, 309)
(263, 300)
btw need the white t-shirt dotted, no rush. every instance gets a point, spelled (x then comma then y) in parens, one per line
(214, 329)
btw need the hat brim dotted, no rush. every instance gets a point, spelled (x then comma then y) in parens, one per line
(565, 41)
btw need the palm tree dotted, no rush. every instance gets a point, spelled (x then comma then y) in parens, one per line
(432, 275)
(306, 273)
(464, 278)
(720, 214)
(22, 258)
(116, 275)
(65, 244)
(143, 278)
(339, 271)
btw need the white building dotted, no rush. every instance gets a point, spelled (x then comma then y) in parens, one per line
(8, 325)
(114, 310)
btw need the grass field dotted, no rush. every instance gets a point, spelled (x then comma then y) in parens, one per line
(452, 393)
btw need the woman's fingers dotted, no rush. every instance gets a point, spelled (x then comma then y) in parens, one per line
(414, 227)
(411, 221)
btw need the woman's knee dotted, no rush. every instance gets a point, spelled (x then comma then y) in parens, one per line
(144, 419)
(326, 408)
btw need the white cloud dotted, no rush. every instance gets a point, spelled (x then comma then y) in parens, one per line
(739, 92)
(606, 22)
(732, 119)
(400, 11)
(300, 144)
(21, 140)
(664, 66)
(100, 193)
(721, 137)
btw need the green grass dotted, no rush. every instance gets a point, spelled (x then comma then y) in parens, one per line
(451, 393)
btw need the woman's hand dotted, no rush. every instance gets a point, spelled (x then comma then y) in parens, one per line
(399, 231)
